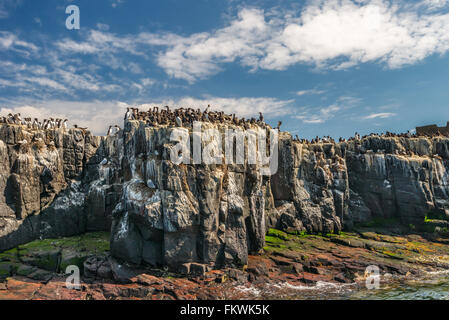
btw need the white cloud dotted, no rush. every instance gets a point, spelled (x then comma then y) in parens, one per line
(435, 4)
(335, 34)
(46, 82)
(313, 115)
(9, 41)
(310, 92)
(382, 115)
(326, 34)
(323, 115)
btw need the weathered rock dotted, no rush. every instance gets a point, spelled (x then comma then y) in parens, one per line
(52, 183)
(404, 178)
(176, 214)
(60, 183)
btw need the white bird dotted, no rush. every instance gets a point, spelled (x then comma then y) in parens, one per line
(178, 121)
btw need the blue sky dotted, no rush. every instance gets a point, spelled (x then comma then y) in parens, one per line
(323, 67)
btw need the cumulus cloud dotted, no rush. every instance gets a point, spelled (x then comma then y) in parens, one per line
(336, 34)
(325, 34)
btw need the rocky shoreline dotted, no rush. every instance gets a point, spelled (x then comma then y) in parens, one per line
(291, 266)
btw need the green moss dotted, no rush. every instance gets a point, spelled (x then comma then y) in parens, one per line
(278, 234)
(95, 242)
(393, 255)
(38, 245)
(56, 254)
(10, 255)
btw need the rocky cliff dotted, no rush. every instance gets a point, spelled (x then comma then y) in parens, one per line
(175, 214)
(52, 183)
(58, 183)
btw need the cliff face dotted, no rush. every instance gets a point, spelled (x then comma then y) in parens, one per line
(400, 177)
(174, 214)
(51, 184)
(59, 183)
(310, 189)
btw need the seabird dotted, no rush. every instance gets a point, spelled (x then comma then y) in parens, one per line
(178, 121)
(279, 125)
(128, 114)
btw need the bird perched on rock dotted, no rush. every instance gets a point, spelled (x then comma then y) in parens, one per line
(128, 114)
(279, 125)
(178, 121)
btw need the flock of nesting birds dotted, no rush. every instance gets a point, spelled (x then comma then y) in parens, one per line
(46, 124)
(35, 123)
(185, 117)
(357, 136)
